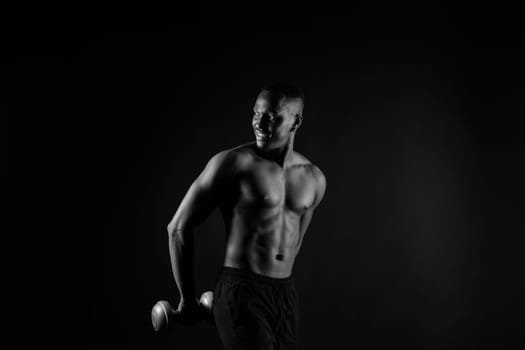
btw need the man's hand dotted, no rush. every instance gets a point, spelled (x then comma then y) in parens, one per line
(190, 312)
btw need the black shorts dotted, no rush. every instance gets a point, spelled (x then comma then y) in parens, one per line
(253, 311)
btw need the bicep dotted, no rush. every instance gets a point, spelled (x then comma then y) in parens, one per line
(305, 220)
(196, 205)
(321, 186)
(303, 225)
(200, 199)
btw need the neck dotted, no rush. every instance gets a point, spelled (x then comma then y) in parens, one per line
(280, 155)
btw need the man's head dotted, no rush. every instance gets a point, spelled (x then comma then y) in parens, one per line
(278, 113)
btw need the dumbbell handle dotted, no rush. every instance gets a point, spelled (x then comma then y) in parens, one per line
(163, 314)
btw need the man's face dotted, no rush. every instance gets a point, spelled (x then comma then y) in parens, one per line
(273, 119)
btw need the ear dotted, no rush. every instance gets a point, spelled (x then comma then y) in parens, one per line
(298, 121)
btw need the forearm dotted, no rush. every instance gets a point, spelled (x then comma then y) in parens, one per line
(181, 256)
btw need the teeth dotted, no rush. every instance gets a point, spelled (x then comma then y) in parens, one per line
(266, 136)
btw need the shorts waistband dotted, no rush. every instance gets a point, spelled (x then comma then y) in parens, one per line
(250, 275)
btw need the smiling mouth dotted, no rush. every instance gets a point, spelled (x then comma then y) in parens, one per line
(262, 135)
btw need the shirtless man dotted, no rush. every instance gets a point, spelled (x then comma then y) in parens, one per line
(267, 193)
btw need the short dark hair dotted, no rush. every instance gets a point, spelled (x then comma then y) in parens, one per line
(286, 90)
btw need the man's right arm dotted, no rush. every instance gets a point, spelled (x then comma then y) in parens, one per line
(202, 197)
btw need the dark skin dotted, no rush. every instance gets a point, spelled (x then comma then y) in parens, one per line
(266, 193)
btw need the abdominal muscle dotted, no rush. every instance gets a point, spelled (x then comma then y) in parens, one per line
(268, 252)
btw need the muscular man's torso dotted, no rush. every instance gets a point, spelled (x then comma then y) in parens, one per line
(262, 211)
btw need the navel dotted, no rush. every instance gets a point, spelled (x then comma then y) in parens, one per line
(279, 257)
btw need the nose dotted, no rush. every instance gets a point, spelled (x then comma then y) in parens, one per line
(265, 120)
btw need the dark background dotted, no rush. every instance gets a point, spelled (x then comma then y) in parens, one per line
(413, 113)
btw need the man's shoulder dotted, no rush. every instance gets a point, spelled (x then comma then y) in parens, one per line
(315, 173)
(232, 156)
(237, 152)
(301, 160)
(246, 149)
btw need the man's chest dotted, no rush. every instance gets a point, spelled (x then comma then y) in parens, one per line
(291, 189)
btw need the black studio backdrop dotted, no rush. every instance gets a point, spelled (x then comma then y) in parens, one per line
(414, 117)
